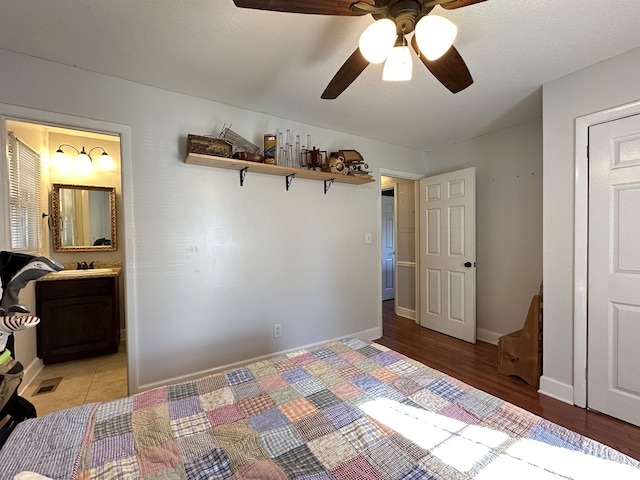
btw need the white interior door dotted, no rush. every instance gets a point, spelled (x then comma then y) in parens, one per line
(613, 380)
(447, 253)
(388, 248)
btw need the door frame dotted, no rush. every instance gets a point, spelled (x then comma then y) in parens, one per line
(31, 115)
(406, 176)
(581, 241)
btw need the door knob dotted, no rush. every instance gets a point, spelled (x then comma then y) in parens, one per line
(468, 264)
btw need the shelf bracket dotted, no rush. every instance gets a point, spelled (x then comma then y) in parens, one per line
(288, 179)
(327, 184)
(243, 173)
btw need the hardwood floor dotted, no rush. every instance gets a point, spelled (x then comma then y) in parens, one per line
(477, 365)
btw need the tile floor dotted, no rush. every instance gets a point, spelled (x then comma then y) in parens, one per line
(95, 379)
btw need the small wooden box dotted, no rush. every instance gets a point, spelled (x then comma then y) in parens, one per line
(216, 147)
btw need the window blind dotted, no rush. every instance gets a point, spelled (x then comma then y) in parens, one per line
(24, 195)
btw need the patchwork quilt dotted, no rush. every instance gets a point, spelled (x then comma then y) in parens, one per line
(345, 410)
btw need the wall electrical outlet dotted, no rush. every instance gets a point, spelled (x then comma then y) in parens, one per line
(277, 330)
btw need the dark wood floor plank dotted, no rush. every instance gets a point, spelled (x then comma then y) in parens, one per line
(477, 365)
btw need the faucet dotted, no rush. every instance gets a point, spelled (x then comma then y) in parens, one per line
(82, 266)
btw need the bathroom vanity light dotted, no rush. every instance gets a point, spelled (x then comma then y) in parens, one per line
(83, 160)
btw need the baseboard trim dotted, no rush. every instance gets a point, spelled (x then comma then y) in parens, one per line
(487, 336)
(406, 313)
(29, 374)
(555, 389)
(371, 334)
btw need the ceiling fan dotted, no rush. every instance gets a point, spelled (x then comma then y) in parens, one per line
(406, 17)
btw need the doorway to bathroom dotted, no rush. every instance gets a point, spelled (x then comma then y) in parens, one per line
(91, 379)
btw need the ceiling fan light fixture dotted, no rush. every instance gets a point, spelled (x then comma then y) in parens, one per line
(377, 40)
(435, 35)
(399, 66)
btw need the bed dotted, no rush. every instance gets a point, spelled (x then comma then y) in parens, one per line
(344, 410)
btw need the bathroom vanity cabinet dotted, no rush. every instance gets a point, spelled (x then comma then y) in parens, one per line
(79, 315)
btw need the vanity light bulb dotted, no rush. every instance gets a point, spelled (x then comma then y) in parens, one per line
(60, 160)
(105, 162)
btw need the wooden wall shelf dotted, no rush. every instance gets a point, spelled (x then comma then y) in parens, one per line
(278, 170)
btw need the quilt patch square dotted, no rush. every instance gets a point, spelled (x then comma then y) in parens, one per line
(112, 427)
(113, 448)
(345, 391)
(182, 390)
(295, 375)
(388, 459)
(354, 469)
(298, 409)
(262, 369)
(241, 443)
(159, 458)
(304, 359)
(227, 414)
(238, 376)
(361, 434)
(268, 419)
(323, 353)
(332, 450)
(383, 374)
(150, 398)
(212, 465)
(280, 440)
(315, 426)
(284, 394)
(114, 408)
(197, 445)
(308, 386)
(185, 407)
(217, 398)
(211, 383)
(256, 405)
(191, 425)
(336, 362)
(323, 399)
(370, 350)
(446, 390)
(298, 462)
(342, 414)
(250, 388)
(284, 365)
(271, 382)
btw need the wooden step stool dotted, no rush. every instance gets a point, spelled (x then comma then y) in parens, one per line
(520, 352)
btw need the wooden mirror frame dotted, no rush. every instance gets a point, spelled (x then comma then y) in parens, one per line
(55, 214)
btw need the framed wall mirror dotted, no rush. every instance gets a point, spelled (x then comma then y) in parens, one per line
(84, 218)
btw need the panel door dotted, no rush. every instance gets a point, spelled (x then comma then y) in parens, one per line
(388, 248)
(447, 254)
(613, 379)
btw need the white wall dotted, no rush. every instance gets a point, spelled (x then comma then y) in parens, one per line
(211, 266)
(508, 221)
(607, 84)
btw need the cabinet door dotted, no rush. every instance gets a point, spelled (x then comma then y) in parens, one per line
(79, 318)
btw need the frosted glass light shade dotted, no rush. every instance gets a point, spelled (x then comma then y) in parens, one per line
(60, 160)
(105, 162)
(377, 40)
(83, 160)
(398, 66)
(435, 35)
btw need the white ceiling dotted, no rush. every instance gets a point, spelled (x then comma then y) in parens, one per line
(280, 63)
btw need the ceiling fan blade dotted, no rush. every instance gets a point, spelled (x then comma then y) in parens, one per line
(318, 7)
(459, 4)
(348, 72)
(449, 69)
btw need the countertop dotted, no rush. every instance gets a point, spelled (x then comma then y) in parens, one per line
(81, 274)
